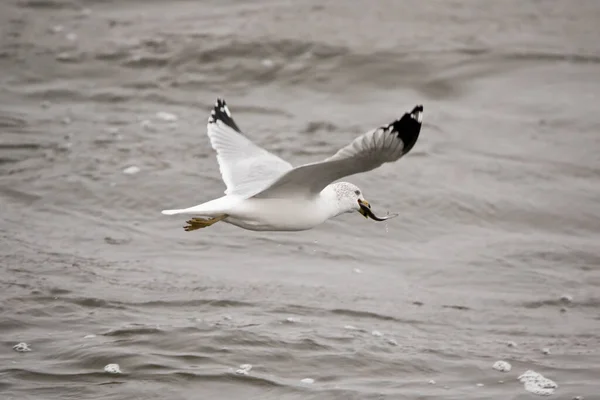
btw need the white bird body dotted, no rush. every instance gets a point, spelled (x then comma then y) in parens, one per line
(281, 214)
(265, 193)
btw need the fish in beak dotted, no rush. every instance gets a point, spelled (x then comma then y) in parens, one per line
(365, 210)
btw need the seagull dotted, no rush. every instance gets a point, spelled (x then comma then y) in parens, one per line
(266, 193)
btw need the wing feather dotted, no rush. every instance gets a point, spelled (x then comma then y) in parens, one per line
(245, 167)
(365, 153)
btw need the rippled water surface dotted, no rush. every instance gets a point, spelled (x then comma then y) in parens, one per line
(496, 254)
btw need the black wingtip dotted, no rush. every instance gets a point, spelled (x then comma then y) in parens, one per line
(408, 127)
(220, 112)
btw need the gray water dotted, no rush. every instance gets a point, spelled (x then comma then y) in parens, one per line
(499, 200)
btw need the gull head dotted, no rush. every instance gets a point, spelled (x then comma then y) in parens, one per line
(350, 199)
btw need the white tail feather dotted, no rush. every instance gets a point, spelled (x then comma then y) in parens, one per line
(197, 210)
(212, 208)
(171, 212)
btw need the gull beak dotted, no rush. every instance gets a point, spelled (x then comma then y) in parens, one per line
(365, 208)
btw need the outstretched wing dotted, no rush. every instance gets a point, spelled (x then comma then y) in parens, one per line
(245, 167)
(367, 152)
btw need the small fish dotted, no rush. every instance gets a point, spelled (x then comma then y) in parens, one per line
(368, 213)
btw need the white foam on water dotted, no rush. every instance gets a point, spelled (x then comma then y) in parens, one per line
(431, 382)
(350, 327)
(291, 320)
(535, 389)
(545, 351)
(147, 125)
(131, 170)
(391, 341)
(308, 381)
(377, 334)
(64, 56)
(57, 29)
(502, 366)
(112, 369)
(21, 347)
(357, 271)
(536, 383)
(267, 63)
(244, 369)
(166, 116)
(480, 385)
(89, 336)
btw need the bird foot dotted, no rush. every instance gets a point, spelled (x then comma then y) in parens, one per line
(199, 223)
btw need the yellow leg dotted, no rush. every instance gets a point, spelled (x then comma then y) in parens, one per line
(199, 223)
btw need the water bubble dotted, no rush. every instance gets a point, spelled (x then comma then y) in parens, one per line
(432, 382)
(480, 385)
(566, 298)
(546, 351)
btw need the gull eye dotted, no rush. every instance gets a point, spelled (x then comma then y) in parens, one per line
(357, 192)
